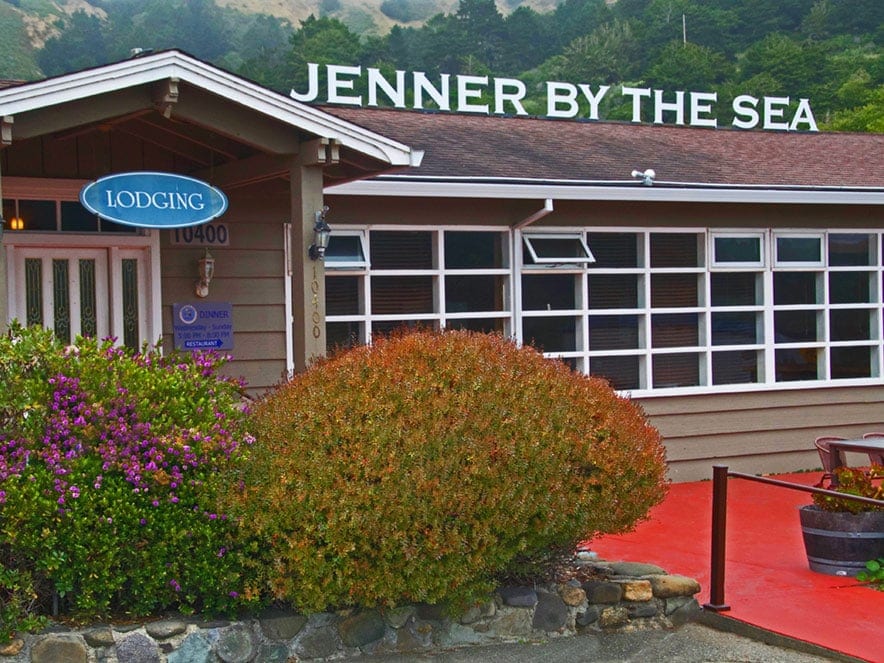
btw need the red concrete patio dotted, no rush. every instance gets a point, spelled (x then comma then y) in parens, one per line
(768, 583)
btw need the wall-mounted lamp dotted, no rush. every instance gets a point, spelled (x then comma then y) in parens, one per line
(206, 272)
(321, 235)
(16, 223)
(647, 176)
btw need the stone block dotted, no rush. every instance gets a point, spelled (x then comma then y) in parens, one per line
(321, 642)
(602, 591)
(236, 644)
(636, 590)
(635, 569)
(572, 595)
(589, 616)
(518, 597)
(195, 649)
(550, 613)
(642, 610)
(138, 648)
(163, 630)
(613, 617)
(100, 636)
(362, 628)
(281, 625)
(668, 586)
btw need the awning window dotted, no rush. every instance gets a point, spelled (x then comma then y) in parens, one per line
(557, 249)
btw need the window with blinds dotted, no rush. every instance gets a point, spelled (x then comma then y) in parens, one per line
(657, 309)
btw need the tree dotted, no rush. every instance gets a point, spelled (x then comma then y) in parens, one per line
(687, 67)
(322, 41)
(263, 50)
(609, 55)
(80, 45)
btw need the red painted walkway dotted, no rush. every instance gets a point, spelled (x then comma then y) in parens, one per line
(768, 583)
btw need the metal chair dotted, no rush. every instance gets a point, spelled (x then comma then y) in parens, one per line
(829, 457)
(875, 457)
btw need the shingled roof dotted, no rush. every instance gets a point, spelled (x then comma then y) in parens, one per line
(489, 148)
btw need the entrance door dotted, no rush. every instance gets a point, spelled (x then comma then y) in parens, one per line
(97, 292)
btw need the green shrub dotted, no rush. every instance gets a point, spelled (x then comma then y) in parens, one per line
(420, 468)
(111, 463)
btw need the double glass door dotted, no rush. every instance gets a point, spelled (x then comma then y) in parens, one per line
(93, 292)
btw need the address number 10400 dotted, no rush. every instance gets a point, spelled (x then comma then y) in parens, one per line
(207, 234)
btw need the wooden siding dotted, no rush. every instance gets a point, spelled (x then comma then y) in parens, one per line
(249, 273)
(759, 432)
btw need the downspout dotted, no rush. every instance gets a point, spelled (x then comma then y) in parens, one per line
(539, 214)
(516, 282)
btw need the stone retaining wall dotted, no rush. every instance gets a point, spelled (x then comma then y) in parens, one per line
(619, 596)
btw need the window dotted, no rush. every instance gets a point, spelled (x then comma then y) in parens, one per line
(346, 250)
(688, 309)
(381, 279)
(35, 215)
(550, 249)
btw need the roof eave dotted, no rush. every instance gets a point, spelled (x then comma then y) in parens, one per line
(174, 64)
(597, 191)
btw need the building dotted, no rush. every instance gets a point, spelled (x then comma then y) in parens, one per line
(731, 281)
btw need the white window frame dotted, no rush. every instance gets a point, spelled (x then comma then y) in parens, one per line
(361, 265)
(794, 264)
(714, 263)
(580, 237)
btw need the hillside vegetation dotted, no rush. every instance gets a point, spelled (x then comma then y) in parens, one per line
(828, 51)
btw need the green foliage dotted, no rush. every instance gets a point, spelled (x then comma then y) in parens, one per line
(420, 468)
(853, 481)
(17, 603)
(111, 464)
(873, 574)
(816, 49)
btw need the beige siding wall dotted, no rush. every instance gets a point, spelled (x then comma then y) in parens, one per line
(755, 432)
(762, 431)
(249, 273)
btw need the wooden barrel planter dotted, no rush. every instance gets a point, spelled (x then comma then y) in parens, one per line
(840, 543)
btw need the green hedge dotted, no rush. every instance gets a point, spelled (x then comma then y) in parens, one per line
(111, 464)
(422, 467)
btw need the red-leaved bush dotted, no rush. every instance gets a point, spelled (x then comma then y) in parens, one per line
(420, 468)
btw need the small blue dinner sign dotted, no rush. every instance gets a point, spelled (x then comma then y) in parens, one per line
(203, 326)
(153, 200)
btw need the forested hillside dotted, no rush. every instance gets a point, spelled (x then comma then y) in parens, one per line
(828, 51)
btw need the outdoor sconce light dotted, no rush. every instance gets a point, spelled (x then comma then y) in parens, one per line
(321, 235)
(206, 272)
(16, 223)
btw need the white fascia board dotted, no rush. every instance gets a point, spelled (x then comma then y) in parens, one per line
(172, 64)
(628, 190)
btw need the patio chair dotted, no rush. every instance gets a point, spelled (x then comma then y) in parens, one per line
(829, 458)
(875, 457)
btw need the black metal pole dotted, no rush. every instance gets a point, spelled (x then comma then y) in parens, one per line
(719, 531)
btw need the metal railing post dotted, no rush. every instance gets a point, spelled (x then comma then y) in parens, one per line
(719, 531)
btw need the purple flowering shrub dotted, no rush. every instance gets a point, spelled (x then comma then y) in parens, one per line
(111, 468)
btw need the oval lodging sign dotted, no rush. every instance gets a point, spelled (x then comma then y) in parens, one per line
(153, 200)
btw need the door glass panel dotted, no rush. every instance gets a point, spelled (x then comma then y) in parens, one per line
(88, 309)
(130, 303)
(61, 300)
(34, 291)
